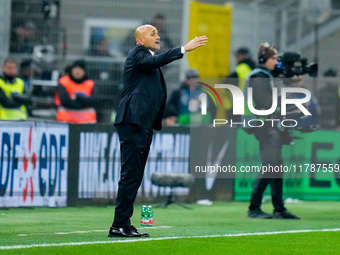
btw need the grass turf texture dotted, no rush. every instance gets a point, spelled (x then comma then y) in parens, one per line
(42, 224)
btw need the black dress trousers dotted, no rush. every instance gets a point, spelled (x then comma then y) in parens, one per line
(134, 146)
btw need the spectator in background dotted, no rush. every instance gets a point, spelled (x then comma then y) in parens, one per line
(100, 48)
(183, 106)
(23, 38)
(11, 90)
(26, 74)
(244, 65)
(305, 123)
(75, 96)
(328, 98)
(158, 22)
(101, 70)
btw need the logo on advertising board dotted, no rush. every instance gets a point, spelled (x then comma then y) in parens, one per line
(29, 166)
(33, 167)
(99, 163)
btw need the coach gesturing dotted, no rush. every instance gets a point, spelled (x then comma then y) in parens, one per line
(140, 110)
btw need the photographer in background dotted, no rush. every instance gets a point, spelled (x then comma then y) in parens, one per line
(11, 93)
(270, 138)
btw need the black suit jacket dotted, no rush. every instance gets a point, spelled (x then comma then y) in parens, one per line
(144, 92)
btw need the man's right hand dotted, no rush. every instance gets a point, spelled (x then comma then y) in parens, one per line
(195, 43)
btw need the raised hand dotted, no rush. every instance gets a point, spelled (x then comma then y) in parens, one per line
(195, 43)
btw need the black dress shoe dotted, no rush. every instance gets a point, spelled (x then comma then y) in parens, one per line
(258, 214)
(285, 215)
(126, 231)
(136, 231)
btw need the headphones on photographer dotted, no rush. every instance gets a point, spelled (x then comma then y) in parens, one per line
(262, 57)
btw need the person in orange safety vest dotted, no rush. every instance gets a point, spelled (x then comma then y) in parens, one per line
(74, 96)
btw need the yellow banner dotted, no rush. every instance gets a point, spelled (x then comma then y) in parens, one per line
(214, 21)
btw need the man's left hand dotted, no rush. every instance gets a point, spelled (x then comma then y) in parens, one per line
(195, 43)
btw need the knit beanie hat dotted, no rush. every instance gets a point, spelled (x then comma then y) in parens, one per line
(79, 63)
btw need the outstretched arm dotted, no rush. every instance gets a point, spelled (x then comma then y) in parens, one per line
(144, 60)
(195, 43)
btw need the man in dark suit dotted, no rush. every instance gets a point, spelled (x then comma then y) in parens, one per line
(140, 110)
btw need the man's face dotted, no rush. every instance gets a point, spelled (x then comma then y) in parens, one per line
(240, 57)
(159, 23)
(271, 62)
(78, 72)
(10, 69)
(297, 81)
(192, 83)
(150, 38)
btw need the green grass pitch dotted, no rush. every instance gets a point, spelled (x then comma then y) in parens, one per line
(218, 229)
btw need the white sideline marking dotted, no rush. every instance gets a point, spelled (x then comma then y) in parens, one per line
(85, 232)
(167, 238)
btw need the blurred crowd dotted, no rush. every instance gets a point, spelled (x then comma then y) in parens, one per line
(80, 90)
